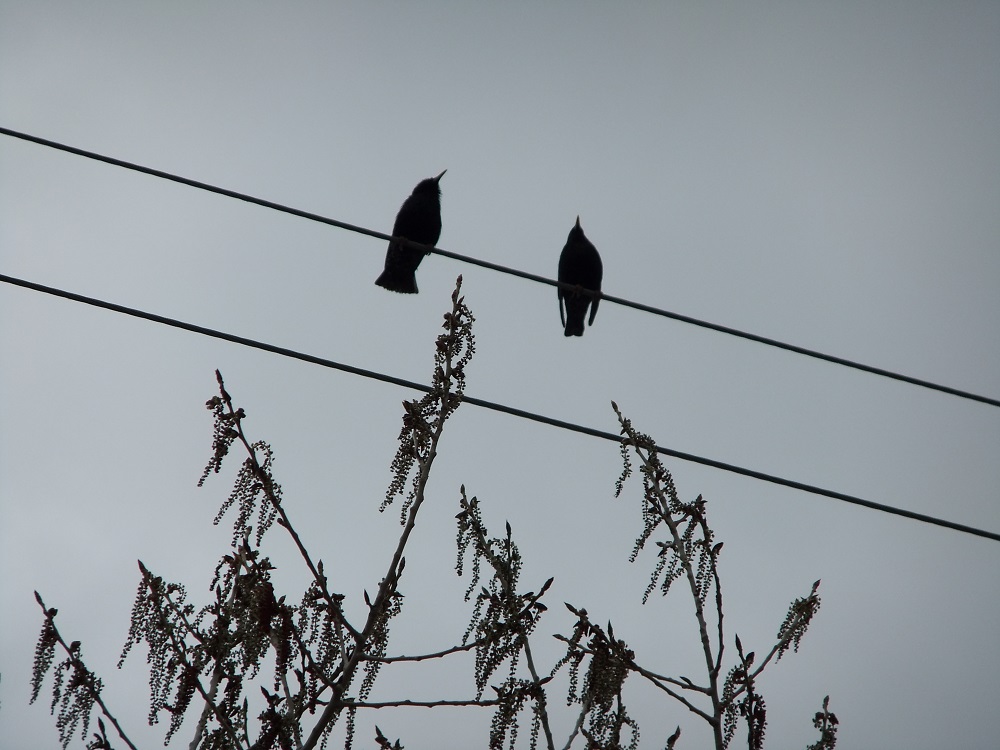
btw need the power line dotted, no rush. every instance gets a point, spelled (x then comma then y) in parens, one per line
(506, 270)
(493, 406)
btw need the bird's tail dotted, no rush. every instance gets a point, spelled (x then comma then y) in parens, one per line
(398, 281)
(574, 326)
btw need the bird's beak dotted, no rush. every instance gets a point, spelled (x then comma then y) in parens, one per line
(438, 178)
(578, 221)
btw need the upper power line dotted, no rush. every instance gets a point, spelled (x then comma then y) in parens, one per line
(506, 270)
(494, 406)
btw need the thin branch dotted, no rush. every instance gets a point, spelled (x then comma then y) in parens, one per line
(676, 696)
(388, 584)
(424, 657)
(80, 666)
(718, 609)
(585, 707)
(180, 652)
(503, 575)
(423, 704)
(770, 655)
(653, 476)
(657, 679)
(210, 707)
(386, 587)
(286, 522)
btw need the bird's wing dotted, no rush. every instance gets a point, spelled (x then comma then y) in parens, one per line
(593, 310)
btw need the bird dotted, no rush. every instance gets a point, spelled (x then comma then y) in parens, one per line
(419, 220)
(580, 264)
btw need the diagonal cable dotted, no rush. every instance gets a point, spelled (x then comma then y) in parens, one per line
(483, 403)
(506, 270)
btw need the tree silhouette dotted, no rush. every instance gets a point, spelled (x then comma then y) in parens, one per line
(255, 671)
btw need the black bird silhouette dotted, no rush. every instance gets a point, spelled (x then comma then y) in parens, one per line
(579, 264)
(419, 219)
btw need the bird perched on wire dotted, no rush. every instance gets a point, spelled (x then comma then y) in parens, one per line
(419, 219)
(579, 264)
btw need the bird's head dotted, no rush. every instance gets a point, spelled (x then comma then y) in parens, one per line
(430, 185)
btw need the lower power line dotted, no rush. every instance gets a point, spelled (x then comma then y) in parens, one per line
(493, 406)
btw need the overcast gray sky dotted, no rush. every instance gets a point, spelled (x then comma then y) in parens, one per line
(822, 173)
